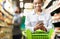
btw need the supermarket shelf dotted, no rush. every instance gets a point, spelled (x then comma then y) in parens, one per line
(53, 7)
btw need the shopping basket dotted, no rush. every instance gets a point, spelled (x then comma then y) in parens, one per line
(39, 34)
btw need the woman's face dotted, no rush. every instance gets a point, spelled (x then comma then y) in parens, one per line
(37, 4)
(17, 10)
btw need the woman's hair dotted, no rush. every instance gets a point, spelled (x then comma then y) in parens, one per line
(42, 0)
(19, 10)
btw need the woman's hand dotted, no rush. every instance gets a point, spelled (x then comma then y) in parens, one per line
(37, 27)
(40, 26)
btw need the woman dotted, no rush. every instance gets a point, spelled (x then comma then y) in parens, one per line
(34, 18)
(16, 24)
(38, 19)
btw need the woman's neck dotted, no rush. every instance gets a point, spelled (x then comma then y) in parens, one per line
(38, 12)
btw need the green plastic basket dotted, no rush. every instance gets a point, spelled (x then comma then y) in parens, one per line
(39, 34)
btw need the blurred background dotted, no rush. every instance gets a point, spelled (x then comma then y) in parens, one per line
(7, 8)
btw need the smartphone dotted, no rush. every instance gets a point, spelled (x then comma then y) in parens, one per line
(40, 22)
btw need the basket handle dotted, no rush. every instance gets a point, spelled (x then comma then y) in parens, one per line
(50, 32)
(28, 34)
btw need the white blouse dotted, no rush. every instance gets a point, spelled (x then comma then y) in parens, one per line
(32, 18)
